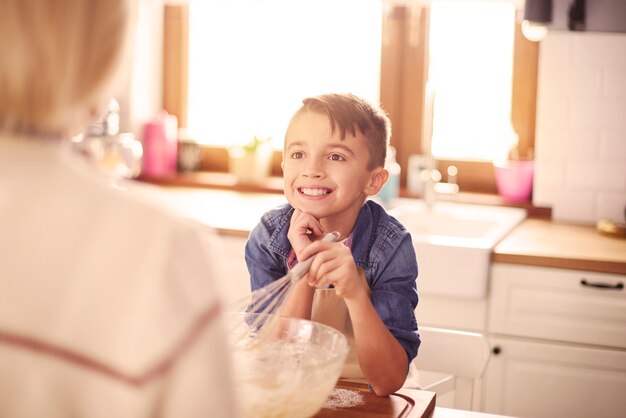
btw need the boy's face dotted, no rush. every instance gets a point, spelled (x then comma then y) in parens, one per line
(325, 175)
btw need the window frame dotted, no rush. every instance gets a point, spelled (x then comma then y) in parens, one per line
(404, 74)
(404, 71)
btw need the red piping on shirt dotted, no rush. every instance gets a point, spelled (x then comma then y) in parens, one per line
(85, 362)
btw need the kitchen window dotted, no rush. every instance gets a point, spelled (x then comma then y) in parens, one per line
(470, 79)
(405, 73)
(252, 62)
(395, 72)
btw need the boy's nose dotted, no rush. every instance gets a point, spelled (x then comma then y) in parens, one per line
(313, 170)
(312, 174)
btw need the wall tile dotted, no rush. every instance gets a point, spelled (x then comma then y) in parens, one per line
(581, 125)
(551, 173)
(553, 111)
(582, 142)
(582, 174)
(612, 176)
(614, 83)
(585, 82)
(613, 145)
(545, 195)
(574, 206)
(549, 150)
(556, 50)
(594, 175)
(598, 113)
(611, 206)
(597, 49)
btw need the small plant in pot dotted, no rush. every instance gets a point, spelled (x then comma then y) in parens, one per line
(252, 162)
(514, 174)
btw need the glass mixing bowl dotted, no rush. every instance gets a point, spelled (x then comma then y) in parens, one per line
(287, 372)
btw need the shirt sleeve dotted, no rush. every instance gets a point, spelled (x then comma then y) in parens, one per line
(394, 293)
(264, 266)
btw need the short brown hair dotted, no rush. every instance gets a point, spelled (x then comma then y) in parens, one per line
(348, 113)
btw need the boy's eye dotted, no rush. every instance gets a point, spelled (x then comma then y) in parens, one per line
(336, 157)
(297, 155)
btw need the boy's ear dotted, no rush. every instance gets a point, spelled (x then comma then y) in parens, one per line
(378, 178)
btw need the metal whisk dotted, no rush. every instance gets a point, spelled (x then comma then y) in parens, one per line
(267, 301)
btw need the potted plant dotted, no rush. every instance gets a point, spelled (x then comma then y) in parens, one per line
(514, 174)
(252, 162)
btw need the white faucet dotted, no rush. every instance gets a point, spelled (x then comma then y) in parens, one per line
(431, 178)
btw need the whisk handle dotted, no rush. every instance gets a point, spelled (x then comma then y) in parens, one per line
(303, 267)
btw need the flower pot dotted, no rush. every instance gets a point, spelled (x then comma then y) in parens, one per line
(514, 179)
(251, 167)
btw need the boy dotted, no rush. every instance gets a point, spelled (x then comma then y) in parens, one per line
(334, 155)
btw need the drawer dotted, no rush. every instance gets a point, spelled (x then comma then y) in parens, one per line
(557, 304)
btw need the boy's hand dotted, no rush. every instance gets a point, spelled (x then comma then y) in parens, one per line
(333, 264)
(304, 228)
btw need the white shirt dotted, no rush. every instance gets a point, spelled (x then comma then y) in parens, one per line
(108, 303)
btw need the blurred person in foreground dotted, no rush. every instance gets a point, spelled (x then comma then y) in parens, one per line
(108, 304)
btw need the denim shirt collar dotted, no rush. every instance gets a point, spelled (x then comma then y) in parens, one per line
(362, 235)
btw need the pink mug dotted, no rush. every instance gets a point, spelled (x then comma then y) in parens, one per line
(160, 146)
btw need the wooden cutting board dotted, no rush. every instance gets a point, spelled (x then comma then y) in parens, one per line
(359, 402)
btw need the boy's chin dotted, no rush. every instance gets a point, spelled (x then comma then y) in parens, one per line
(310, 209)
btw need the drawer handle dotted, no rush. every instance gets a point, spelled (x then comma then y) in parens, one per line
(600, 285)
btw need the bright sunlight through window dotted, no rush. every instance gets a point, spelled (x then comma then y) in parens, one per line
(470, 76)
(251, 62)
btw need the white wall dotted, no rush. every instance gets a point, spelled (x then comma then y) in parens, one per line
(581, 126)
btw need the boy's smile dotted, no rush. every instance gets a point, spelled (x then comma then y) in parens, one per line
(314, 192)
(325, 175)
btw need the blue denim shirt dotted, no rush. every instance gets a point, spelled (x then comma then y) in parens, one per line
(380, 245)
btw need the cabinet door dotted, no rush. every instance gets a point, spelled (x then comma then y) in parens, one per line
(539, 380)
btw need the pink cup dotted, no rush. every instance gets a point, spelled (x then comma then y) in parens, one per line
(514, 179)
(160, 146)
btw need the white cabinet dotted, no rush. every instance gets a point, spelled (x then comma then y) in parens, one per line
(559, 343)
(528, 378)
(558, 304)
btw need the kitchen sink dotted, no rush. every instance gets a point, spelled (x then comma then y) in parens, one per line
(453, 242)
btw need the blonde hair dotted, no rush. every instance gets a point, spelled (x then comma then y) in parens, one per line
(57, 60)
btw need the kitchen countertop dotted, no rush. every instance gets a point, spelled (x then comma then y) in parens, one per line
(228, 212)
(538, 242)
(541, 242)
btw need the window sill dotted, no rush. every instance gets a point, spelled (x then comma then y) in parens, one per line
(215, 180)
(227, 181)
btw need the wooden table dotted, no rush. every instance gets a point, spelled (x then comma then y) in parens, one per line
(406, 403)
